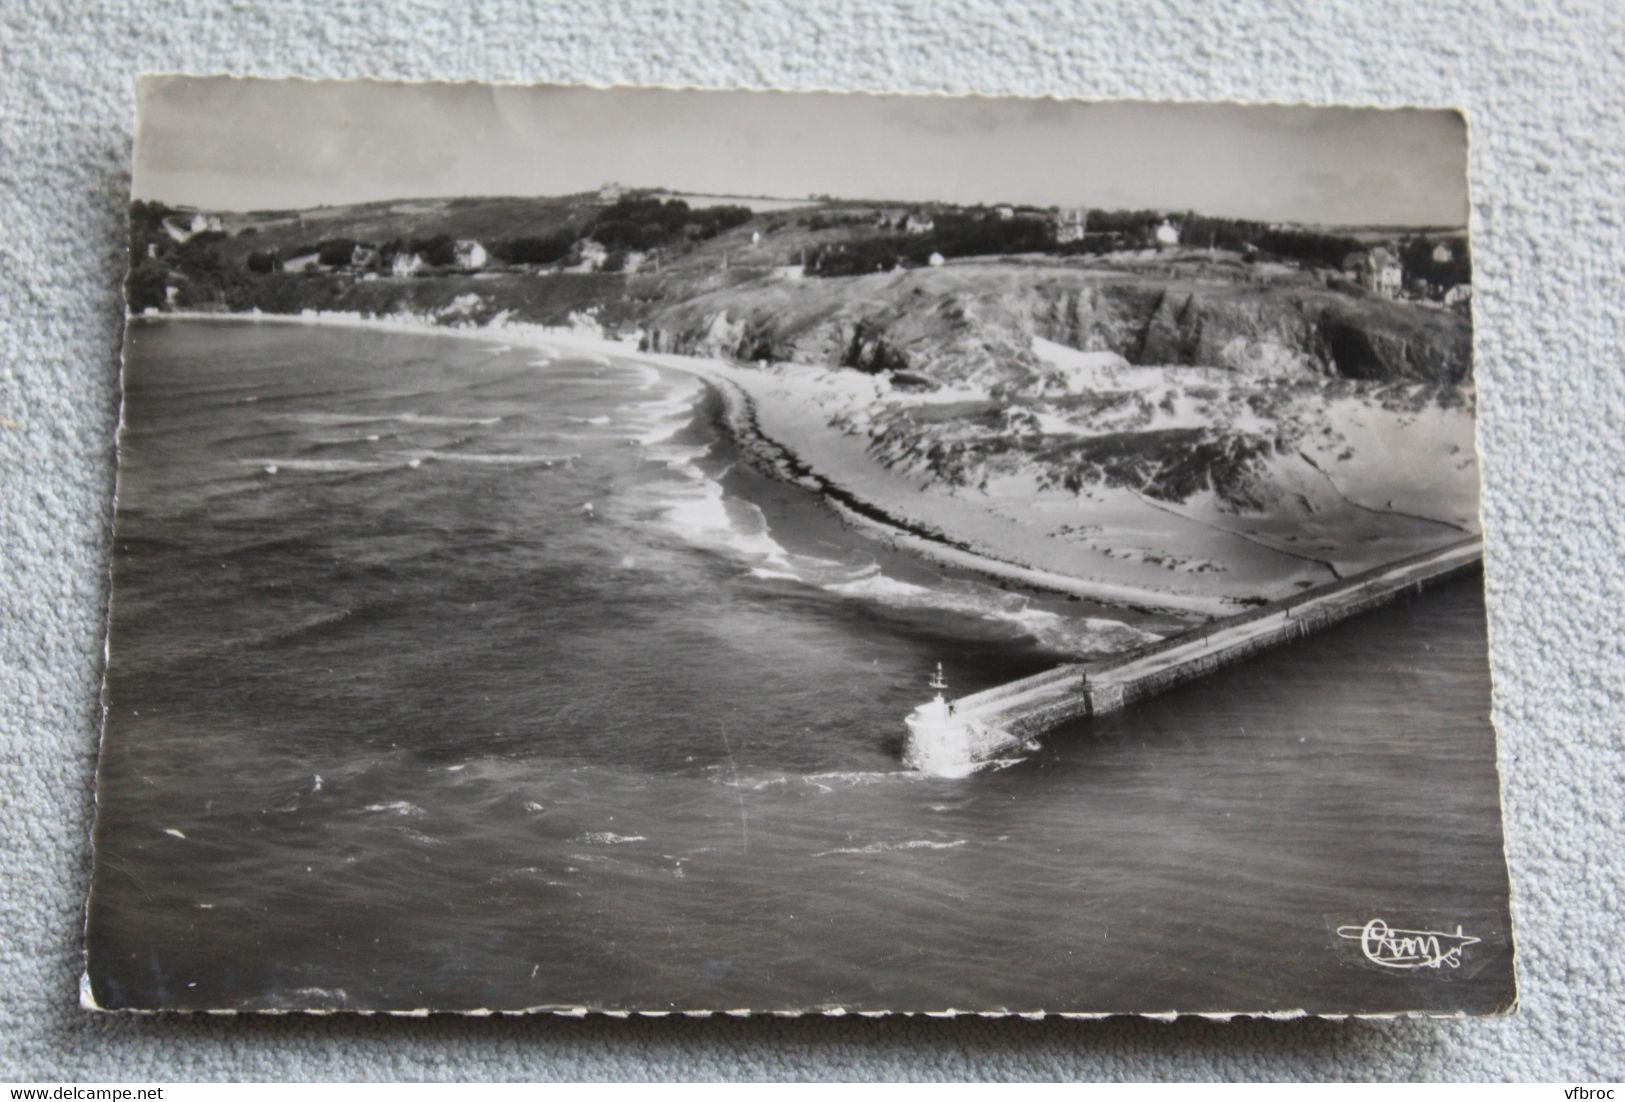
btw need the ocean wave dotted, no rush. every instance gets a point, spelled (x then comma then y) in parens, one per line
(700, 513)
(893, 847)
(658, 420)
(437, 419)
(610, 838)
(680, 458)
(398, 807)
(602, 419)
(317, 418)
(508, 459)
(326, 466)
(1076, 635)
(361, 417)
(754, 785)
(858, 778)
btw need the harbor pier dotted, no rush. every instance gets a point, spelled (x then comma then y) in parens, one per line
(952, 738)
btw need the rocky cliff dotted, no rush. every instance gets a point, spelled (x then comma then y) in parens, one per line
(976, 324)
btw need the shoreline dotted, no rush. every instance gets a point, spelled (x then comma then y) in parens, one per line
(742, 407)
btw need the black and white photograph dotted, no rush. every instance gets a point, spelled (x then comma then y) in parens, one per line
(695, 552)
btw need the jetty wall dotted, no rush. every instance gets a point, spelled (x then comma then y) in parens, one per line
(1034, 704)
(1134, 676)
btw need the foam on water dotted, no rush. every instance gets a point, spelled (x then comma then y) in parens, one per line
(437, 419)
(892, 847)
(507, 459)
(701, 513)
(398, 807)
(273, 466)
(858, 778)
(1080, 635)
(659, 419)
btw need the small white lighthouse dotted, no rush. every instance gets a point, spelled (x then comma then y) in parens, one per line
(936, 736)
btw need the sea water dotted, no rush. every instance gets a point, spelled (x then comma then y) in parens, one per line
(450, 675)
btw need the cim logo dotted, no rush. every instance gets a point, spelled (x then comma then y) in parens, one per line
(1408, 950)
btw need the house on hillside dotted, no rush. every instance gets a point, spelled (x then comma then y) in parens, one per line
(363, 257)
(919, 222)
(309, 262)
(1459, 294)
(1166, 235)
(405, 264)
(1071, 223)
(1004, 214)
(1377, 269)
(1443, 253)
(471, 255)
(182, 229)
(611, 193)
(591, 254)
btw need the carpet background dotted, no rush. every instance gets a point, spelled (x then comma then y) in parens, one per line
(1544, 88)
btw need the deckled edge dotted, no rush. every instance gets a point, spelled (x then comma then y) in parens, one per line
(87, 1001)
(870, 91)
(87, 995)
(87, 998)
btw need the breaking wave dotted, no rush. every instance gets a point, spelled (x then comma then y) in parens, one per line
(892, 847)
(1078, 635)
(610, 838)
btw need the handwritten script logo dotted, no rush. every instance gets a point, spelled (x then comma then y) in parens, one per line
(1407, 949)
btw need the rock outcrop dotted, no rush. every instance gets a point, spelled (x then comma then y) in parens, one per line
(976, 324)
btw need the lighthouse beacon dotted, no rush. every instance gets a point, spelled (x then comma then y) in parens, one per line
(937, 738)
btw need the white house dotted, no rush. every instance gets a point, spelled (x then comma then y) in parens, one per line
(1004, 213)
(307, 263)
(1167, 235)
(1071, 224)
(919, 222)
(405, 264)
(182, 229)
(611, 193)
(471, 255)
(1460, 293)
(591, 254)
(1443, 254)
(1376, 270)
(937, 260)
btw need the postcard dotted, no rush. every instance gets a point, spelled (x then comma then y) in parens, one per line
(667, 551)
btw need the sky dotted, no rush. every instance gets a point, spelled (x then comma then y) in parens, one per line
(240, 144)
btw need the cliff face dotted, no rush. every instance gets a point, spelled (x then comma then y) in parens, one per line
(976, 324)
(963, 323)
(1184, 390)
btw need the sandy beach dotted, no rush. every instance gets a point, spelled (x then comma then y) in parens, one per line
(1193, 560)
